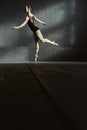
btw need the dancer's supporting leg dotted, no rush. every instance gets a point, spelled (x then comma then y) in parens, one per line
(36, 50)
(36, 47)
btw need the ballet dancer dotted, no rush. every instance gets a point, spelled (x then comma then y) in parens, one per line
(30, 18)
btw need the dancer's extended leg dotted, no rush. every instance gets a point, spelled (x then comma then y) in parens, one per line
(40, 36)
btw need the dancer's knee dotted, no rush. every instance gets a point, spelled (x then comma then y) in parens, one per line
(43, 40)
(37, 47)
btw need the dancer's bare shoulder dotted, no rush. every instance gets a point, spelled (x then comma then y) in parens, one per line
(27, 18)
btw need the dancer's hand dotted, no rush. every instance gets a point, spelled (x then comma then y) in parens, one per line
(44, 23)
(14, 27)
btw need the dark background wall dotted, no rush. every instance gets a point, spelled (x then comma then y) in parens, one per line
(66, 23)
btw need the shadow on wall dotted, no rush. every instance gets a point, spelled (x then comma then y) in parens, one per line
(69, 55)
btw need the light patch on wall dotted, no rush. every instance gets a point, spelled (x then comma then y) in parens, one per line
(72, 27)
(14, 55)
(7, 35)
(73, 6)
(55, 14)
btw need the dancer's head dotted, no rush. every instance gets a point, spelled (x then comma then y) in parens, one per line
(28, 8)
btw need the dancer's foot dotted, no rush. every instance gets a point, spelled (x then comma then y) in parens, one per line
(36, 57)
(54, 43)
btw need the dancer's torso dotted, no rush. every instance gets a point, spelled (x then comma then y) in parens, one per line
(31, 24)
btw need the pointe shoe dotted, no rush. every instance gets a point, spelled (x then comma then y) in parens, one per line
(36, 57)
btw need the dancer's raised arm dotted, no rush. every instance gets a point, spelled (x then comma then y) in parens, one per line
(40, 21)
(22, 25)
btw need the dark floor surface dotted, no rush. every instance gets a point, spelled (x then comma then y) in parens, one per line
(50, 96)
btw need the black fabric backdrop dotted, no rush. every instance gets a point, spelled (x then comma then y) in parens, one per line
(43, 96)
